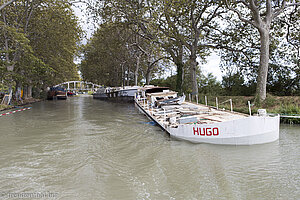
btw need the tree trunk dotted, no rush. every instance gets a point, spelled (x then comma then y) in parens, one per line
(122, 76)
(25, 92)
(193, 67)
(149, 69)
(148, 76)
(128, 76)
(18, 91)
(136, 71)
(29, 91)
(180, 74)
(261, 88)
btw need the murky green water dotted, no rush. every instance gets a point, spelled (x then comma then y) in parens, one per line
(89, 149)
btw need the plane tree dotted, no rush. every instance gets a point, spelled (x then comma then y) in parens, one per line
(178, 27)
(38, 43)
(107, 58)
(132, 14)
(259, 15)
(191, 22)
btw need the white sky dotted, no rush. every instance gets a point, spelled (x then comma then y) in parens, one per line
(212, 65)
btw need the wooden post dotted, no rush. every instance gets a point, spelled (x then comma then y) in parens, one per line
(249, 104)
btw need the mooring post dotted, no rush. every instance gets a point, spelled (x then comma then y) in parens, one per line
(217, 104)
(249, 104)
(231, 109)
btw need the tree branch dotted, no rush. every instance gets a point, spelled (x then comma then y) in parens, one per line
(269, 11)
(255, 12)
(279, 11)
(142, 50)
(165, 57)
(240, 15)
(5, 38)
(6, 4)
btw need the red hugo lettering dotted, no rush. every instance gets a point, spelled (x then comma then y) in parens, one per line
(206, 131)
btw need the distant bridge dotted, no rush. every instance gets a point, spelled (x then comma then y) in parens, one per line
(79, 85)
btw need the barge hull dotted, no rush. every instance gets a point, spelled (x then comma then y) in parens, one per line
(246, 131)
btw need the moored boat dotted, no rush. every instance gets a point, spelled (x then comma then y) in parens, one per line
(57, 93)
(100, 94)
(203, 124)
(119, 94)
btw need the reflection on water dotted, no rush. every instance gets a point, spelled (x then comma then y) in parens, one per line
(90, 149)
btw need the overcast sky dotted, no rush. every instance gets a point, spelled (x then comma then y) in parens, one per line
(212, 65)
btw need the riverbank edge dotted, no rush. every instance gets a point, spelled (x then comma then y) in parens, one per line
(283, 105)
(24, 103)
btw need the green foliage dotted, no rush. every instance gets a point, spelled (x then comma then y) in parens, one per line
(270, 101)
(234, 85)
(177, 27)
(105, 57)
(54, 35)
(38, 43)
(290, 109)
(283, 81)
(186, 31)
(168, 82)
(110, 57)
(242, 43)
(208, 85)
(4, 107)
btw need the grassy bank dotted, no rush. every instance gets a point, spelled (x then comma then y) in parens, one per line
(5, 107)
(15, 103)
(288, 105)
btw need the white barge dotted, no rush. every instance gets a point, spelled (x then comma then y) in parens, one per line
(203, 124)
(118, 94)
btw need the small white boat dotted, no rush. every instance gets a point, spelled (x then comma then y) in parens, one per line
(203, 124)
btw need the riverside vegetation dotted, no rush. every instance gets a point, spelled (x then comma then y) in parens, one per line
(164, 42)
(284, 105)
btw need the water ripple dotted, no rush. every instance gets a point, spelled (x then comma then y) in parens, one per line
(87, 149)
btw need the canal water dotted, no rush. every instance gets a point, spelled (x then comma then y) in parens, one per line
(90, 149)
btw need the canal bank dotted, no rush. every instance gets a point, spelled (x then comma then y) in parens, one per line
(89, 149)
(19, 104)
(283, 105)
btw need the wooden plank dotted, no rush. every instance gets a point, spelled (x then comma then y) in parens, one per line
(5, 100)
